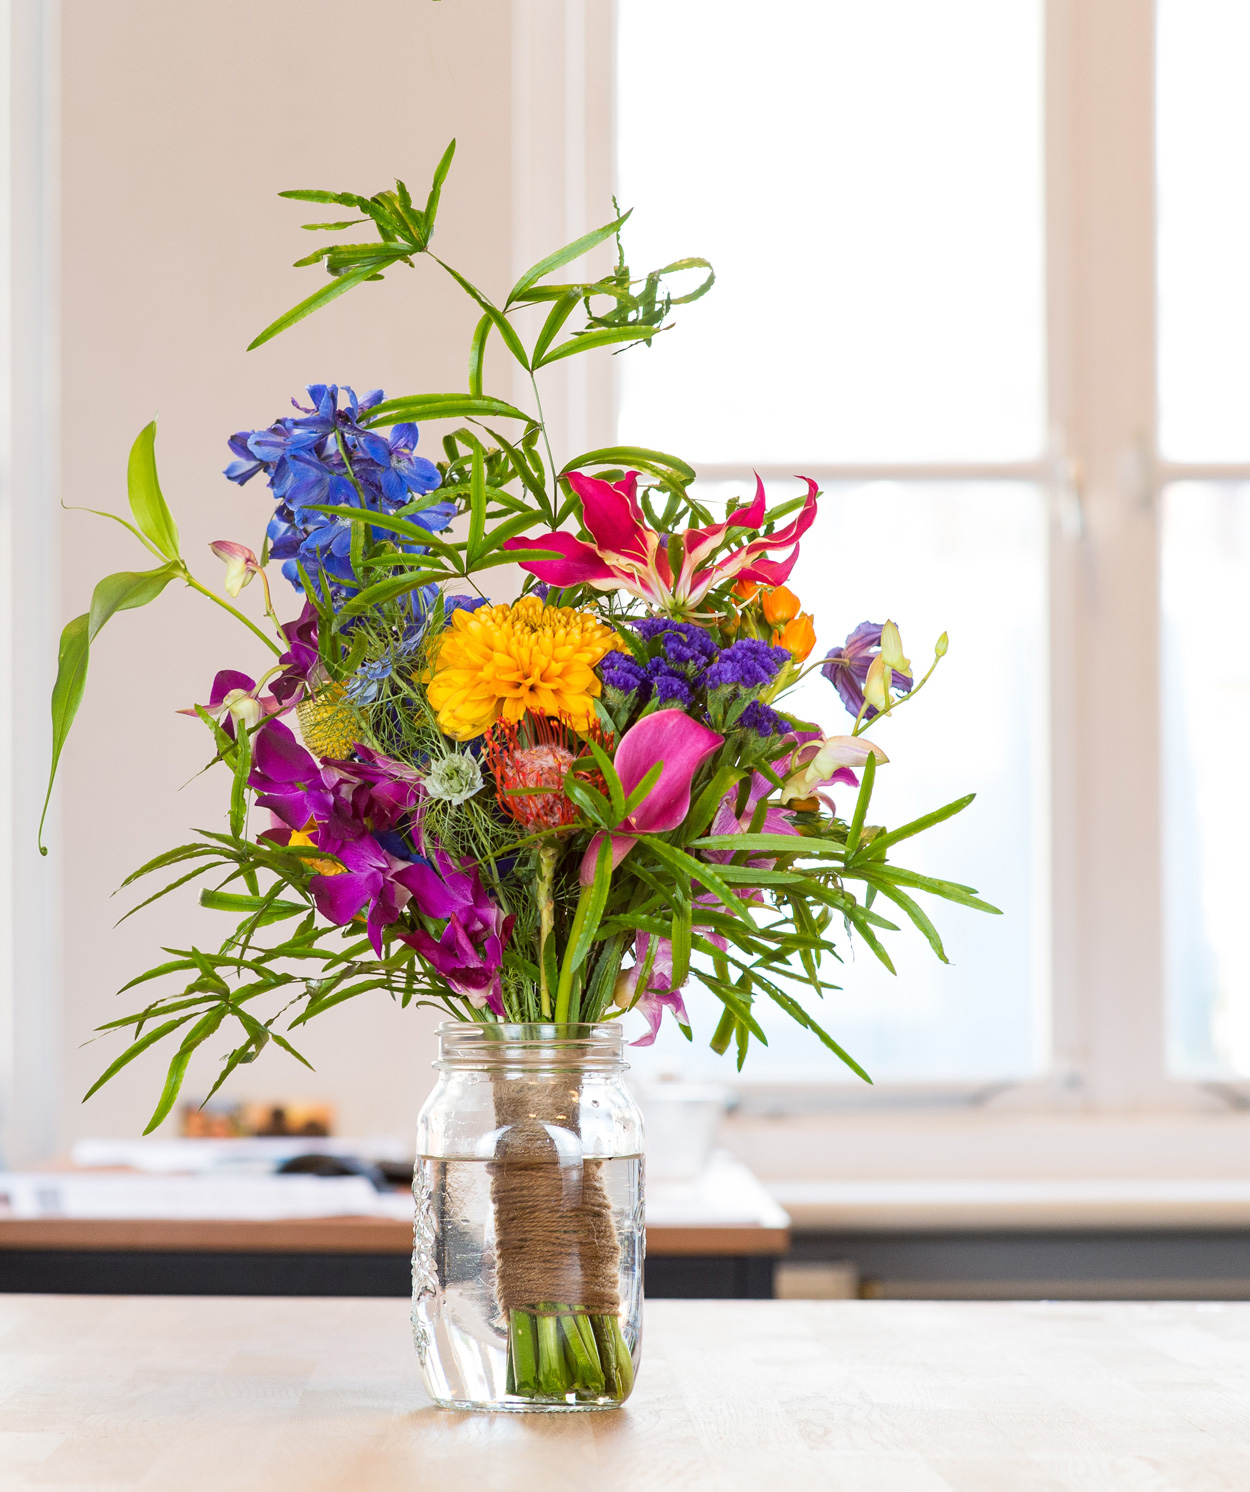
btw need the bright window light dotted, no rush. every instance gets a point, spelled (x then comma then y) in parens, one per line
(867, 181)
(1204, 229)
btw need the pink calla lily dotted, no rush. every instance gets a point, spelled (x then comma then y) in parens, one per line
(625, 554)
(679, 745)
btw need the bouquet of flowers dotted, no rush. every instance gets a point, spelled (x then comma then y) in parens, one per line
(550, 809)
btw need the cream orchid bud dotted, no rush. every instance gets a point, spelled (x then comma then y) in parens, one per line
(892, 651)
(877, 684)
(244, 707)
(241, 564)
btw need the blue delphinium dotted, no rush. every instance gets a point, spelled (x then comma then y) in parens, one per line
(325, 457)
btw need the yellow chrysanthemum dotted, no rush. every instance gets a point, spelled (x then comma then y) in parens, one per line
(328, 723)
(504, 660)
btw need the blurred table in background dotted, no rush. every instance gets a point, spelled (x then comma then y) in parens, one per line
(231, 1231)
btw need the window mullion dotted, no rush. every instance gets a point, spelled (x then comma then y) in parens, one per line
(1108, 1014)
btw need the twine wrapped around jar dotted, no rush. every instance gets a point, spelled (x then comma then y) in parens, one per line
(555, 1241)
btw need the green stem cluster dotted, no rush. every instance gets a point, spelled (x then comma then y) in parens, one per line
(557, 1350)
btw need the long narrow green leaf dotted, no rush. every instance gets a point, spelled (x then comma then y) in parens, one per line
(595, 904)
(133, 1050)
(638, 456)
(238, 792)
(436, 189)
(699, 870)
(443, 407)
(796, 1012)
(881, 842)
(477, 355)
(563, 256)
(198, 1034)
(556, 318)
(602, 337)
(339, 286)
(505, 328)
(861, 804)
(477, 510)
(126, 590)
(914, 911)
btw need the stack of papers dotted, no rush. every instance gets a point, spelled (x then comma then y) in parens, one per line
(247, 1198)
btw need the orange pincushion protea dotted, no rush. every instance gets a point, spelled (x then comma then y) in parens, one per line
(524, 760)
(530, 762)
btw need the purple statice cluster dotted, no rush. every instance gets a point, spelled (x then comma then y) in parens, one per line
(684, 669)
(324, 457)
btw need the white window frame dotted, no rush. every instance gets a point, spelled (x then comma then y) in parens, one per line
(30, 1028)
(1103, 476)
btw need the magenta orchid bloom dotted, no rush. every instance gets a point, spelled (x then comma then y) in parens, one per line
(287, 779)
(625, 554)
(234, 697)
(371, 877)
(679, 745)
(469, 953)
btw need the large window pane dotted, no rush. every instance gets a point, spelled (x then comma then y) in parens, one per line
(968, 559)
(1204, 229)
(1206, 783)
(867, 180)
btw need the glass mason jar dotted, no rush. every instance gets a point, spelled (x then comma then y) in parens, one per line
(529, 1239)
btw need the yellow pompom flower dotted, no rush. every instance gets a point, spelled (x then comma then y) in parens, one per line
(328, 723)
(500, 661)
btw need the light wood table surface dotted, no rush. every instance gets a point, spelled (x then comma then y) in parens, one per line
(188, 1395)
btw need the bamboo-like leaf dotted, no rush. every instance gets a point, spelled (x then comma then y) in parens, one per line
(477, 510)
(418, 407)
(477, 355)
(698, 870)
(505, 328)
(595, 903)
(566, 255)
(914, 911)
(147, 503)
(436, 190)
(126, 590)
(949, 890)
(196, 1036)
(556, 318)
(861, 804)
(877, 846)
(646, 460)
(133, 1050)
(605, 336)
(796, 1012)
(339, 286)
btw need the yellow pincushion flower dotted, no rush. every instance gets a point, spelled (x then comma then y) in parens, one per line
(328, 723)
(504, 660)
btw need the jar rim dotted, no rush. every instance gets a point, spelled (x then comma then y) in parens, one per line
(580, 1044)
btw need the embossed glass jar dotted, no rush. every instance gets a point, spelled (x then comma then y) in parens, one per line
(529, 1239)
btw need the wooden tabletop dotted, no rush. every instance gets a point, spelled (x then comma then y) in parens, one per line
(228, 1395)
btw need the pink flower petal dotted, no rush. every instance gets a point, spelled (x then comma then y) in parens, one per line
(608, 513)
(581, 563)
(683, 745)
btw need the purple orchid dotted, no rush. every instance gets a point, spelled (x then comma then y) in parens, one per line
(287, 779)
(678, 745)
(847, 667)
(371, 877)
(369, 796)
(469, 953)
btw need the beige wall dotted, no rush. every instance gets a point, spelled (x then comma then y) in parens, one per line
(180, 124)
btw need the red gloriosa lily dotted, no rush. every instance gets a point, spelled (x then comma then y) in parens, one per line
(625, 554)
